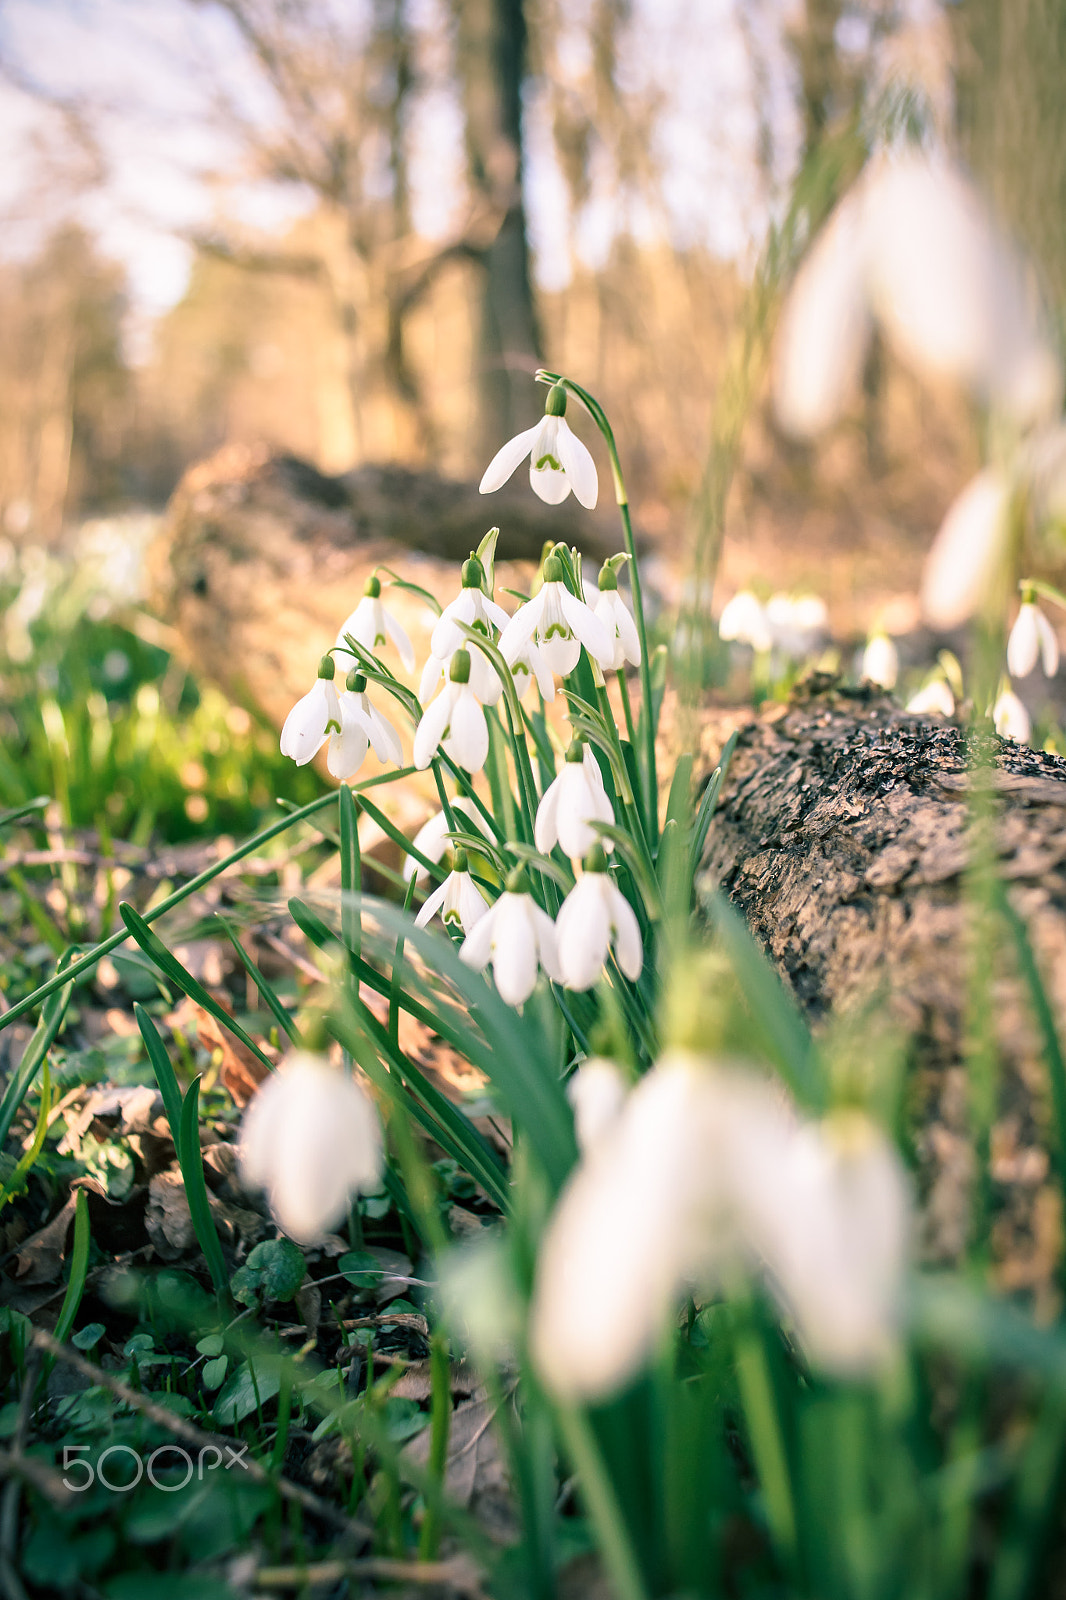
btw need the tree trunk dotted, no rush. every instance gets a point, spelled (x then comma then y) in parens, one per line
(491, 38)
(845, 834)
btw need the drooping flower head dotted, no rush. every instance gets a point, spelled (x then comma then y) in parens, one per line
(313, 718)
(560, 624)
(611, 610)
(880, 661)
(517, 938)
(362, 728)
(594, 919)
(311, 1138)
(1011, 719)
(372, 626)
(458, 899)
(1032, 639)
(571, 803)
(558, 463)
(744, 621)
(454, 722)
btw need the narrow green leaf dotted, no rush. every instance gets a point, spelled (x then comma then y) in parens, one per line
(192, 1172)
(266, 989)
(79, 1268)
(171, 968)
(41, 1041)
(351, 866)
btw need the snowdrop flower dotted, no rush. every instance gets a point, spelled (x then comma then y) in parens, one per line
(1032, 638)
(595, 918)
(484, 679)
(311, 1138)
(880, 661)
(458, 898)
(1010, 717)
(707, 1170)
(455, 722)
(518, 938)
(611, 610)
(432, 840)
(472, 608)
(529, 665)
(796, 622)
(571, 803)
(597, 1092)
(560, 623)
(968, 553)
(933, 699)
(558, 463)
(837, 1250)
(744, 621)
(371, 626)
(362, 727)
(312, 719)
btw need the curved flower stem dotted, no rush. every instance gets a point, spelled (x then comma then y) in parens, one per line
(599, 417)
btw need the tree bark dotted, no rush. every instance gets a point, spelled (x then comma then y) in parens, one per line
(845, 833)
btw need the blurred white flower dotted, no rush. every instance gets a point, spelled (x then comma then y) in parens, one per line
(597, 1092)
(610, 609)
(706, 1171)
(458, 898)
(1010, 717)
(518, 938)
(933, 699)
(362, 727)
(571, 803)
(594, 919)
(913, 248)
(966, 560)
(560, 623)
(372, 626)
(880, 661)
(559, 461)
(311, 1138)
(432, 840)
(1032, 639)
(744, 621)
(454, 722)
(797, 623)
(837, 1252)
(313, 718)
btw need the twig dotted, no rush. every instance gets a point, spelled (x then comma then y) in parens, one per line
(187, 1431)
(459, 1574)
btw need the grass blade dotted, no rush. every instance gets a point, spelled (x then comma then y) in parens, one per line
(192, 1172)
(79, 1269)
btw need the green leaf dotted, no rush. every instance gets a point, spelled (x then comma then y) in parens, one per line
(41, 1041)
(361, 1269)
(266, 989)
(192, 1172)
(86, 1337)
(281, 1268)
(214, 1371)
(212, 1345)
(172, 968)
(79, 1267)
(252, 1385)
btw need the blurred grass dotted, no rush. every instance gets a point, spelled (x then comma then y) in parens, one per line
(116, 730)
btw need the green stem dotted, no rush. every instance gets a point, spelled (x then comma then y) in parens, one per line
(597, 1490)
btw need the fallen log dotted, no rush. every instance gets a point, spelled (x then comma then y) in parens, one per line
(845, 832)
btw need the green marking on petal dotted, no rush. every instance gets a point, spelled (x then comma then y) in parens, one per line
(549, 461)
(333, 726)
(559, 628)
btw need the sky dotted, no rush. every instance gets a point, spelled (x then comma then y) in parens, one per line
(148, 71)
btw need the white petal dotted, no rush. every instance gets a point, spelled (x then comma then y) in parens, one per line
(744, 620)
(347, 749)
(1023, 646)
(362, 624)
(305, 728)
(1011, 719)
(472, 903)
(577, 464)
(495, 613)
(431, 676)
(514, 954)
(404, 648)
(597, 1092)
(545, 829)
(468, 737)
(583, 931)
(431, 728)
(581, 802)
(448, 635)
(542, 672)
(507, 458)
(477, 946)
(547, 942)
(935, 699)
(1049, 645)
(880, 662)
(521, 628)
(432, 905)
(588, 628)
(628, 947)
(552, 486)
(561, 653)
(430, 841)
(961, 568)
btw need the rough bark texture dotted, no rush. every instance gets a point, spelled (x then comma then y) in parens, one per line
(844, 834)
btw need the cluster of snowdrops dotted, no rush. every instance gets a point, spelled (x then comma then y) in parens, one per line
(693, 1172)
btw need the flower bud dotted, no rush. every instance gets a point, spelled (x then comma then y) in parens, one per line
(355, 682)
(608, 577)
(326, 668)
(473, 573)
(517, 881)
(373, 587)
(576, 750)
(459, 860)
(553, 570)
(596, 860)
